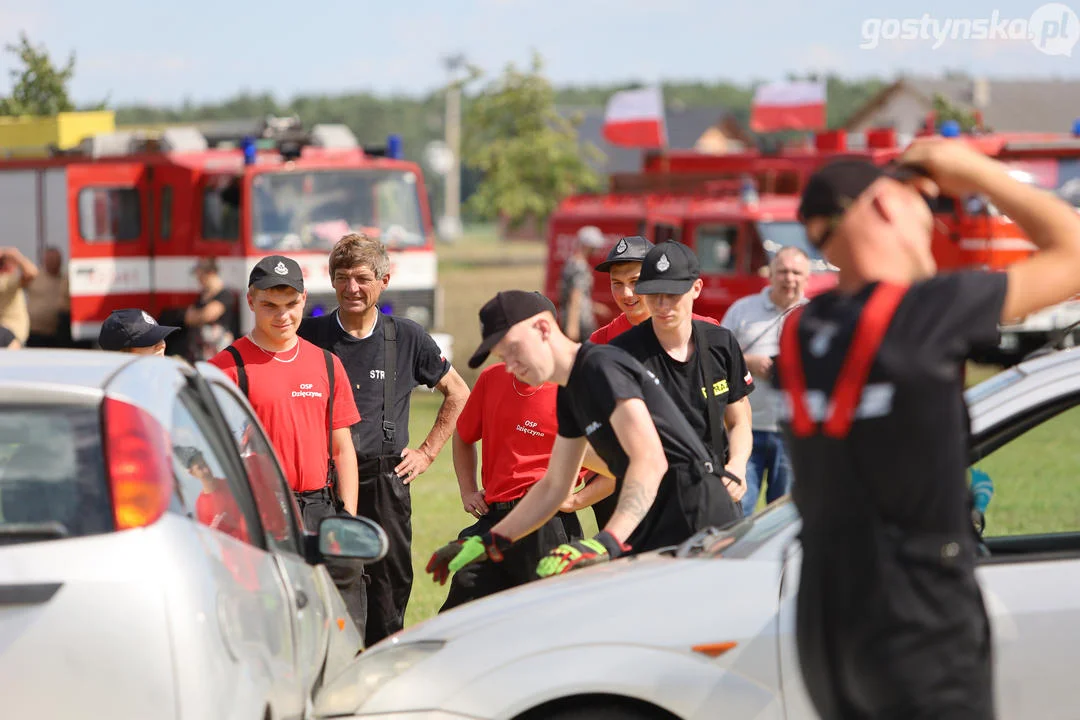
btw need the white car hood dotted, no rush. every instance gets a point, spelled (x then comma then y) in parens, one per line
(602, 603)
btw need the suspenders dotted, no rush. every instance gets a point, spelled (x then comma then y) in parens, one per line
(869, 332)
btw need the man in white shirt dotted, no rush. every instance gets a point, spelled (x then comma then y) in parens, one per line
(756, 321)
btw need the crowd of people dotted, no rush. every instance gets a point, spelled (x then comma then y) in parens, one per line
(663, 422)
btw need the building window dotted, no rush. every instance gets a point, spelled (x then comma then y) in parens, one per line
(110, 214)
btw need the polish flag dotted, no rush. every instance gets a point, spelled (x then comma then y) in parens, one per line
(635, 118)
(788, 106)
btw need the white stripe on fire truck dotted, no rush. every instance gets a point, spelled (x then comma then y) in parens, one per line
(110, 276)
(996, 244)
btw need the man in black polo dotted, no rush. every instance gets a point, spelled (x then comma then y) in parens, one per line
(665, 476)
(386, 357)
(890, 620)
(698, 362)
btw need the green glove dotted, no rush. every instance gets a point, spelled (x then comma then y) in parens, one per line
(455, 555)
(581, 553)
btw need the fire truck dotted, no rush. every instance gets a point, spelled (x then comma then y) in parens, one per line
(737, 210)
(132, 211)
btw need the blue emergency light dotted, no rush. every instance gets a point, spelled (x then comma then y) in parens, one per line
(386, 309)
(950, 129)
(249, 148)
(1076, 127)
(318, 311)
(393, 147)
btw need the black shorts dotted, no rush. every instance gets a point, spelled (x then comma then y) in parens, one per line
(894, 627)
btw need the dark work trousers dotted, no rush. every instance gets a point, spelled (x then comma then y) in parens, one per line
(893, 626)
(519, 562)
(350, 580)
(385, 499)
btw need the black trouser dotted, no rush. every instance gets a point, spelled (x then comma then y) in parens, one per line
(385, 499)
(350, 581)
(893, 626)
(519, 562)
(689, 499)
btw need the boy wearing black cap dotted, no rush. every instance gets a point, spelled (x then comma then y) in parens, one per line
(134, 331)
(288, 383)
(699, 363)
(890, 619)
(665, 476)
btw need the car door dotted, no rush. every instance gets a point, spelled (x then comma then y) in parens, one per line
(243, 592)
(1031, 579)
(315, 615)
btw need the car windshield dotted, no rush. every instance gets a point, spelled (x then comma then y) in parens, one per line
(776, 235)
(1058, 175)
(312, 209)
(744, 537)
(52, 473)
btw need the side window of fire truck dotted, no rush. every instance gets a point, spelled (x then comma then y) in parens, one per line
(109, 214)
(221, 208)
(716, 245)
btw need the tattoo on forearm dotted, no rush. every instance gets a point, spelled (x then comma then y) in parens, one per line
(634, 502)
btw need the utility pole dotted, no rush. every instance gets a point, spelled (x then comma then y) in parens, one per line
(451, 229)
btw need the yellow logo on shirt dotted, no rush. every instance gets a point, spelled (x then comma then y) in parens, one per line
(720, 387)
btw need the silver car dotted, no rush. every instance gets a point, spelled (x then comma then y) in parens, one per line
(705, 630)
(152, 564)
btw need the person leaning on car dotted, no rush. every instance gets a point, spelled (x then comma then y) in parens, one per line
(890, 619)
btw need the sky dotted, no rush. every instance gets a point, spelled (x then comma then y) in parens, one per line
(162, 52)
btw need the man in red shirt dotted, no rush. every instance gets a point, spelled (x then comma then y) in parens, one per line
(516, 425)
(286, 381)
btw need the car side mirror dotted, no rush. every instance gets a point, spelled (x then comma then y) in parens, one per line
(345, 538)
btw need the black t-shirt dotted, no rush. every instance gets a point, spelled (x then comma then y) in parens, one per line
(602, 375)
(419, 362)
(906, 455)
(684, 381)
(209, 339)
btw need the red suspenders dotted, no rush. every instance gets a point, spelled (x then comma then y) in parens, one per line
(870, 331)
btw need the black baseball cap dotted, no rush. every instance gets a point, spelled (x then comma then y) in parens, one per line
(633, 248)
(831, 190)
(276, 271)
(670, 268)
(6, 337)
(501, 313)
(132, 328)
(188, 455)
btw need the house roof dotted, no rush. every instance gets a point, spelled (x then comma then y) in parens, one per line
(685, 125)
(1012, 105)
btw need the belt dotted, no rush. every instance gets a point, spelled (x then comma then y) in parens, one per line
(503, 506)
(324, 490)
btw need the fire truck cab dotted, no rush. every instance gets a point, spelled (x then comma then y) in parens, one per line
(132, 211)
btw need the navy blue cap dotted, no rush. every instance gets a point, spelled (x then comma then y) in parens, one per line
(132, 328)
(6, 337)
(670, 268)
(633, 248)
(276, 271)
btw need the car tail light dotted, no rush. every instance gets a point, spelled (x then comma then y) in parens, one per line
(137, 458)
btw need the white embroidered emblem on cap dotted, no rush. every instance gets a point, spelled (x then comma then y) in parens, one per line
(621, 247)
(149, 320)
(280, 269)
(662, 264)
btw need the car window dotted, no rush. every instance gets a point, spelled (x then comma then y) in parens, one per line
(52, 472)
(1034, 480)
(272, 495)
(209, 494)
(716, 248)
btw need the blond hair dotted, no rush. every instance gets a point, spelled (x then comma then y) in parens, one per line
(356, 249)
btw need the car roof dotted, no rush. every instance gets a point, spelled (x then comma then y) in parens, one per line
(77, 368)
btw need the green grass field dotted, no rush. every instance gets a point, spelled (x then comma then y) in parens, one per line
(1034, 476)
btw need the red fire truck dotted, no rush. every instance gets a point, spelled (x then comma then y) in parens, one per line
(736, 210)
(132, 211)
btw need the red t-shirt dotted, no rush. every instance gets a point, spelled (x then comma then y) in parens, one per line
(621, 324)
(290, 400)
(218, 510)
(516, 432)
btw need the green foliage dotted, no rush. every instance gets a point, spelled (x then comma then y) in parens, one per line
(528, 154)
(39, 87)
(944, 111)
